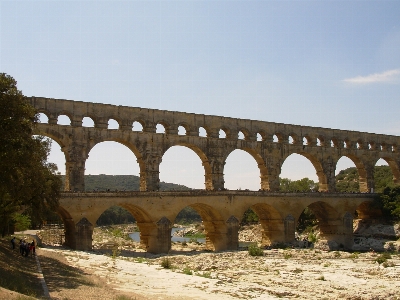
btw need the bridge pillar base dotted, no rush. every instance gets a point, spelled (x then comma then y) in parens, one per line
(232, 225)
(158, 240)
(83, 235)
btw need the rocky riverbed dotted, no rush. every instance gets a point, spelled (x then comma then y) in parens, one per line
(190, 272)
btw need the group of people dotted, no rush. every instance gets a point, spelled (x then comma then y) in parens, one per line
(24, 247)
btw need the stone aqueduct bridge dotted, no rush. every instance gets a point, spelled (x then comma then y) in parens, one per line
(219, 209)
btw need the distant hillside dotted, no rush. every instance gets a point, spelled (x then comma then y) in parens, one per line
(348, 180)
(103, 182)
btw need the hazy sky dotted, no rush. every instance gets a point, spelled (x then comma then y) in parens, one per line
(320, 63)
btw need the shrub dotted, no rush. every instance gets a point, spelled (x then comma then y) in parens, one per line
(204, 274)
(166, 263)
(254, 250)
(287, 255)
(383, 258)
(337, 254)
(187, 271)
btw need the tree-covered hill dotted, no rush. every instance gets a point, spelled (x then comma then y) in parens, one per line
(348, 180)
(104, 182)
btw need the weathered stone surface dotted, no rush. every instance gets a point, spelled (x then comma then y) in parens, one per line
(278, 213)
(322, 146)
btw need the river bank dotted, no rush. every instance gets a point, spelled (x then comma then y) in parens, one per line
(118, 268)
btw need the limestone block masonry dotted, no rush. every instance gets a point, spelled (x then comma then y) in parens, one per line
(268, 143)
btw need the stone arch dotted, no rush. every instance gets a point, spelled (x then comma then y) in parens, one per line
(322, 178)
(308, 140)
(135, 126)
(261, 135)
(394, 167)
(271, 221)
(213, 222)
(283, 138)
(367, 210)
(203, 131)
(245, 132)
(203, 158)
(131, 147)
(293, 139)
(61, 118)
(327, 218)
(321, 141)
(334, 142)
(142, 217)
(42, 114)
(264, 182)
(362, 171)
(226, 131)
(87, 119)
(164, 124)
(185, 126)
(113, 119)
(65, 113)
(69, 227)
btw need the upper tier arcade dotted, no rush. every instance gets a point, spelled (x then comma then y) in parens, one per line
(267, 142)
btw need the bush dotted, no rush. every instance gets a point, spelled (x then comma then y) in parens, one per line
(254, 250)
(383, 258)
(166, 263)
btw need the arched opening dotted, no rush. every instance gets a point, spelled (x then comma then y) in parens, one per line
(188, 232)
(347, 176)
(182, 166)
(209, 227)
(63, 120)
(113, 124)
(250, 230)
(241, 171)
(315, 223)
(386, 174)
(259, 137)
(43, 118)
(118, 162)
(87, 122)
(240, 135)
(305, 141)
(137, 126)
(115, 215)
(222, 134)
(269, 229)
(57, 156)
(120, 226)
(298, 174)
(347, 144)
(160, 128)
(202, 132)
(319, 142)
(181, 130)
(291, 140)
(275, 138)
(334, 143)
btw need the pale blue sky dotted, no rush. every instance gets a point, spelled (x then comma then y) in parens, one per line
(329, 64)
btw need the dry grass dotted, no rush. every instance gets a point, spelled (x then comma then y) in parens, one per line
(19, 278)
(18, 273)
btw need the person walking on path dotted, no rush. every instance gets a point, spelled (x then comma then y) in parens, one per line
(32, 248)
(13, 243)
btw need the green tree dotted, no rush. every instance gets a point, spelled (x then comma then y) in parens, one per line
(28, 183)
(302, 185)
(389, 203)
